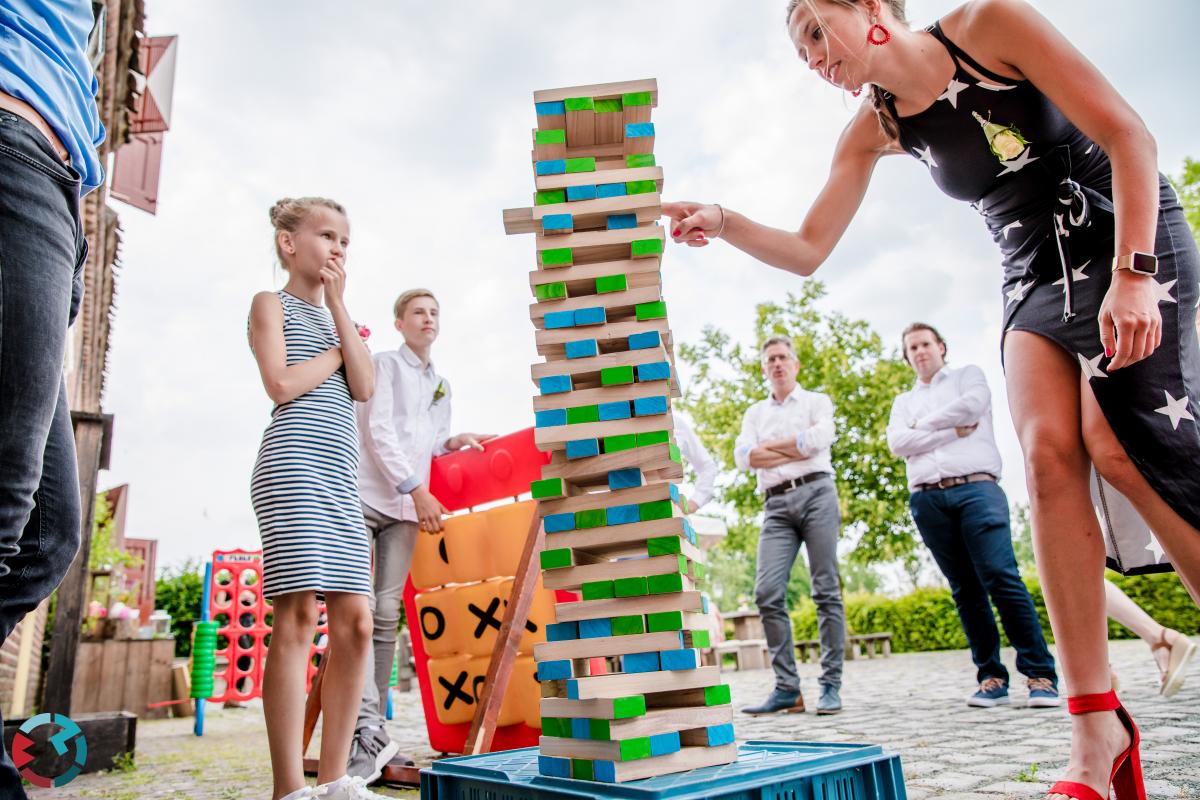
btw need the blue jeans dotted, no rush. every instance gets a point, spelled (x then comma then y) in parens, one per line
(42, 251)
(967, 530)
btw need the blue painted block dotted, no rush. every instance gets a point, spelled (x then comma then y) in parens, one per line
(551, 109)
(649, 406)
(554, 670)
(595, 628)
(581, 193)
(590, 316)
(689, 531)
(562, 632)
(674, 491)
(639, 662)
(618, 222)
(580, 728)
(559, 523)
(634, 130)
(644, 340)
(656, 371)
(625, 478)
(610, 190)
(550, 418)
(555, 384)
(621, 515)
(616, 410)
(554, 767)
(703, 604)
(662, 744)
(604, 771)
(583, 448)
(586, 348)
(720, 734)
(558, 222)
(573, 689)
(559, 319)
(555, 166)
(679, 659)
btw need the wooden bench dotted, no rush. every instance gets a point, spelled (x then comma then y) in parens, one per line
(750, 653)
(865, 644)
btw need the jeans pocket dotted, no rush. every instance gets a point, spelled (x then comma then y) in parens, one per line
(82, 250)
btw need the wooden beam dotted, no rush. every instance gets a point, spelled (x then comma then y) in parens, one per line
(627, 606)
(623, 684)
(599, 91)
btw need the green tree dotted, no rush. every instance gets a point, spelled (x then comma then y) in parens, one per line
(843, 358)
(179, 591)
(1187, 184)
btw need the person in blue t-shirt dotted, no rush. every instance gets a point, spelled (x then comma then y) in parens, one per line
(49, 131)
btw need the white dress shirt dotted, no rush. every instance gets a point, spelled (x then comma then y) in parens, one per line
(806, 417)
(922, 423)
(697, 457)
(400, 429)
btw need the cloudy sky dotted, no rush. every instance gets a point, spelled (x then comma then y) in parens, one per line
(416, 116)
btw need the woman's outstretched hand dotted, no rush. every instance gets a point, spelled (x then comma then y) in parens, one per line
(693, 223)
(1130, 322)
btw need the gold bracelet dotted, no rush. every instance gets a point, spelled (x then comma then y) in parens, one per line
(721, 229)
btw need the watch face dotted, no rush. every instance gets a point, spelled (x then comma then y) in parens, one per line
(1144, 264)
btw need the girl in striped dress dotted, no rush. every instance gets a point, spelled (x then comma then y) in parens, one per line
(304, 489)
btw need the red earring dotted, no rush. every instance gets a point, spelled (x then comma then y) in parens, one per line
(877, 34)
(856, 92)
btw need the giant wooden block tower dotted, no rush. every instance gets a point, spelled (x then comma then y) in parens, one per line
(624, 694)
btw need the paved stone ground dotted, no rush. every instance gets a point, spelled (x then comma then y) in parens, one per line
(912, 704)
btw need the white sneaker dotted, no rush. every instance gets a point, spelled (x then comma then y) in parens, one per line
(305, 793)
(347, 788)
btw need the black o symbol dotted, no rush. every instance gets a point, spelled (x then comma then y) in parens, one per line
(438, 618)
(442, 550)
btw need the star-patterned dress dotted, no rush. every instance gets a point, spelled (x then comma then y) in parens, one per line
(1045, 192)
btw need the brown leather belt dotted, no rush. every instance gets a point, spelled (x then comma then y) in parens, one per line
(27, 113)
(958, 480)
(787, 486)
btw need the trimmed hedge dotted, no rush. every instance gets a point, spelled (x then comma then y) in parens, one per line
(926, 619)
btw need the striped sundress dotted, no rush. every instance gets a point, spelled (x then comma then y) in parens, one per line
(305, 481)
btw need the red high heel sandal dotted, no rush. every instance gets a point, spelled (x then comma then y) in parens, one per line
(1126, 777)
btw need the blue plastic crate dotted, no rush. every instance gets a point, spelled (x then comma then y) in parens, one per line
(763, 771)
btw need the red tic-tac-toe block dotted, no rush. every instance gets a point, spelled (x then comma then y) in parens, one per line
(505, 468)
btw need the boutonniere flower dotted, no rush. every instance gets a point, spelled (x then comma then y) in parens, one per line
(1004, 140)
(438, 393)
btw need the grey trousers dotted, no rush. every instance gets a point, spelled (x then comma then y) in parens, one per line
(394, 541)
(807, 515)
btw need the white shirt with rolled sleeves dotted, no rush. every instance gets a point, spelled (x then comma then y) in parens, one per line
(921, 428)
(697, 457)
(806, 417)
(400, 429)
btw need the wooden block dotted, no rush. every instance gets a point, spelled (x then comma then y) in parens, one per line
(639, 137)
(555, 649)
(650, 406)
(709, 735)
(612, 283)
(629, 625)
(610, 572)
(618, 409)
(626, 392)
(640, 662)
(556, 438)
(594, 213)
(550, 197)
(553, 116)
(595, 628)
(581, 121)
(616, 222)
(550, 291)
(639, 160)
(553, 670)
(582, 448)
(636, 107)
(611, 307)
(590, 247)
(613, 337)
(592, 315)
(560, 632)
(548, 488)
(555, 523)
(690, 602)
(686, 758)
(558, 319)
(654, 371)
(646, 248)
(581, 193)
(585, 348)
(610, 120)
(550, 417)
(554, 767)
(590, 518)
(620, 176)
(579, 415)
(629, 538)
(666, 720)
(556, 559)
(602, 91)
(558, 223)
(637, 495)
(715, 695)
(630, 587)
(622, 751)
(611, 708)
(586, 374)
(622, 515)
(549, 144)
(656, 463)
(554, 166)
(618, 684)
(556, 256)
(597, 590)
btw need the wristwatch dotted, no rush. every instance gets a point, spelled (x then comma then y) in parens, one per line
(1137, 263)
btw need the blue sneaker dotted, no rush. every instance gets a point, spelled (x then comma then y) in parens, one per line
(788, 702)
(992, 692)
(1043, 693)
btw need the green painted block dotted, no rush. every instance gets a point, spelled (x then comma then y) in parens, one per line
(592, 518)
(701, 639)
(615, 376)
(630, 587)
(663, 545)
(583, 414)
(636, 160)
(641, 187)
(550, 291)
(699, 571)
(547, 487)
(634, 749)
(665, 584)
(554, 726)
(636, 99)
(581, 769)
(717, 695)
(627, 707)
(624, 441)
(653, 437)
(597, 590)
(608, 106)
(587, 164)
(641, 248)
(644, 311)
(628, 626)
(664, 621)
(555, 559)
(612, 283)
(598, 729)
(550, 136)
(550, 197)
(683, 564)
(674, 454)
(579, 104)
(657, 509)
(557, 257)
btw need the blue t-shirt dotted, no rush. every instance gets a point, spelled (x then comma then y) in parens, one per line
(43, 61)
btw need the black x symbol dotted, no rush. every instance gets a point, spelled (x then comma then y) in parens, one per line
(486, 618)
(455, 691)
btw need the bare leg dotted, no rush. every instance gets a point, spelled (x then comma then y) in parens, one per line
(1043, 392)
(1120, 607)
(350, 628)
(283, 687)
